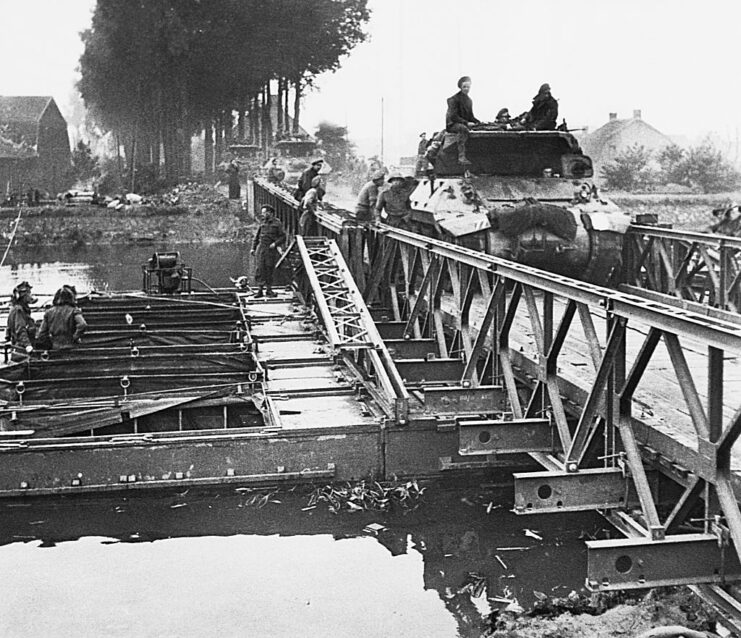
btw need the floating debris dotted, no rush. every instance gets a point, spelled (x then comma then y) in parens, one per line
(501, 562)
(374, 528)
(176, 505)
(533, 534)
(368, 496)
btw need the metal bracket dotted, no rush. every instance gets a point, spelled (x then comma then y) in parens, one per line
(505, 437)
(456, 400)
(677, 560)
(589, 489)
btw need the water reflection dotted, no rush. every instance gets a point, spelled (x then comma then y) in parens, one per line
(116, 267)
(205, 563)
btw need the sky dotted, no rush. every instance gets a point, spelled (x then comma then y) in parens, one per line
(675, 60)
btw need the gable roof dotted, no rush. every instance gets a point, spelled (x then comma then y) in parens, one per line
(23, 108)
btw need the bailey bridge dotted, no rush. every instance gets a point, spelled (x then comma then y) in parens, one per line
(392, 354)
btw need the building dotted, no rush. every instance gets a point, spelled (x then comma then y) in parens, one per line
(34, 149)
(609, 140)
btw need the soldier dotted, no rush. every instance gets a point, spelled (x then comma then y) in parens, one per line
(21, 328)
(395, 202)
(235, 190)
(63, 323)
(270, 235)
(460, 118)
(275, 173)
(544, 112)
(368, 196)
(304, 182)
(308, 206)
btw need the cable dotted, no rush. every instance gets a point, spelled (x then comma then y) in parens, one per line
(12, 236)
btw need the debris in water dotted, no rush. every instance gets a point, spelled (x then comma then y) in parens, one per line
(501, 562)
(369, 496)
(310, 507)
(176, 505)
(374, 528)
(516, 548)
(499, 599)
(533, 534)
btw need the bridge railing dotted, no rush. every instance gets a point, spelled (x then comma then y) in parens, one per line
(696, 267)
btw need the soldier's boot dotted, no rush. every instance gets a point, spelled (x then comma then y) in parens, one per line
(259, 293)
(271, 293)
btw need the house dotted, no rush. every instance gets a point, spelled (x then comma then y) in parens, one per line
(34, 145)
(609, 140)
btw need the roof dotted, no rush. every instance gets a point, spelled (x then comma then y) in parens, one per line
(600, 137)
(23, 108)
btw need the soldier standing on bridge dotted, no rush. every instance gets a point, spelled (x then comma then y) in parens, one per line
(460, 118)
(270, 235)
(304, 182)
(63, 323)
(395, 202)
(368, 196)
(308, 206)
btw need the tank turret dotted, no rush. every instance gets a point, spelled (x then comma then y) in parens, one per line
(527, 196)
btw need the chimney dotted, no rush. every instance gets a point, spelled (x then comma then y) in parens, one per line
(613, 116)
(636, 114)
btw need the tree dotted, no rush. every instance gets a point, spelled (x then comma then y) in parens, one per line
(672, 160)
(156, 72)
(337, 148)
(84, 164)
(630, 170)
(706, 168)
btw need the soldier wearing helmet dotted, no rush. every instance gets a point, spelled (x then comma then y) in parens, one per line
(395, 203)
(544, 112)
(63, 324)
(368, 196)
(21, 328)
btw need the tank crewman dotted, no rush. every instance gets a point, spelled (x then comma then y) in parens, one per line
(460, 118)
(270, 235)
(63, 324)
(309, 204)
(21, 328)
(503, 119)
(275, 173)
(368, 196)
(395, 202)
(304, 182)
(544, 112)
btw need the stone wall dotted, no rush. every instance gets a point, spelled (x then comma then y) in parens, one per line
(138, 224)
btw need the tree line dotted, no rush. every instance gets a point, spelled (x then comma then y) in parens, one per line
(157, 72)
(701, 168)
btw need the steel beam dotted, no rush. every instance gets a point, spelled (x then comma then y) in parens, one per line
(424, 370)
(485, 399)
(489, 436)
(589, 489)
(634, 563)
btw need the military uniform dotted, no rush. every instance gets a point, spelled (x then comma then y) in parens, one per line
(269, 233)
(397, 207)
(544, 113)
(367, 199)
(457, 117)
(62, 327)
(309, 205)
(21, 328)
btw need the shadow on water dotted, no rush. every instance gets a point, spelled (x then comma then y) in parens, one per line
(463, 547)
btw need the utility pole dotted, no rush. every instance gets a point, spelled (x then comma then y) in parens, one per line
(382, 162)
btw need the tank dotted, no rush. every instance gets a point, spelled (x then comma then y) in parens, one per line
(526, 196)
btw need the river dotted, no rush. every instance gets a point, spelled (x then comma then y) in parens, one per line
(213, 563)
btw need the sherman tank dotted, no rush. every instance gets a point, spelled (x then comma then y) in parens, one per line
(525, 196)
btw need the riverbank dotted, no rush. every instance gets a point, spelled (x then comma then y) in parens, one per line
(683, 211)
(201, 215)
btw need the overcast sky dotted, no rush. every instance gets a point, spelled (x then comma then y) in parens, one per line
(676, 60)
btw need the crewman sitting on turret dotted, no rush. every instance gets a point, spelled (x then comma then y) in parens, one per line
(460, 118)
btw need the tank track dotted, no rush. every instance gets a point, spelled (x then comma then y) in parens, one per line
(606, 257)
